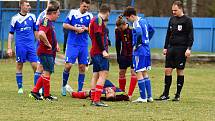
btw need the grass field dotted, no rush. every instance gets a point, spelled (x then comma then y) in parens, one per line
(197, 102)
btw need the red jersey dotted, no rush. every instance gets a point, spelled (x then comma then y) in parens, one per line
(47, 26)
(124, 42)
(97, 26)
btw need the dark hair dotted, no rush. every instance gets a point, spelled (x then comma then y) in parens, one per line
(130, 11)
(54, 6)
(120, 21)
(104, 8)
(179, 4)
(22, 2)
(86, 1)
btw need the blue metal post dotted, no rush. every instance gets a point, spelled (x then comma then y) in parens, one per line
(1, 31)
(132, 3)
(38, 8)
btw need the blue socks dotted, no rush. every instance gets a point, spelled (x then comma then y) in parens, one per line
(65, 77)
(80, 81)
(36, 77)
(141, 84)
(145, 86)
(19, 80)
(148, 87)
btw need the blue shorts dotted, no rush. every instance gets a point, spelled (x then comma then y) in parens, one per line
(48, 62)
(100, 63)
(73, 52)
(141, 63)
(25, 53)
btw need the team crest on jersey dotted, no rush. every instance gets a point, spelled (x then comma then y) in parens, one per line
(87, 17)
(25, 23)
(30, 19)
(81, 20)
(179, 27)
(45, 22)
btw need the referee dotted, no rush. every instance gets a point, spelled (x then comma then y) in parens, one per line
(178, 43)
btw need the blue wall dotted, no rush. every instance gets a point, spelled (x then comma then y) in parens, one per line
(203, 30)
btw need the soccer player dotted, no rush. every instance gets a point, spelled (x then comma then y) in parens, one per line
(123, 34)
(99, 54)
(110, 93)
(77, 23)
(24, 25)
(142, 33)
(47, 52)
(178, 43)
(41, 16)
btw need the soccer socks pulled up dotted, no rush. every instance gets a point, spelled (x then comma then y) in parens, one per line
(36, 77)
(141, 84)
(122, 83)
(65, 77)
(38, 85)
(80, 81)
(132, 85)
(92, 94)
(180, 83)
(80, 95)
(148, 87)
(99, 89)
(167, 82)
(19, 80)
(46, 85)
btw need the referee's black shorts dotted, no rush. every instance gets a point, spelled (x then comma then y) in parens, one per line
(175, 57)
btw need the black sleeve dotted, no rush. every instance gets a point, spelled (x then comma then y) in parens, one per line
(117, 42)
(99, 41)
(190, 33)
(167, 36)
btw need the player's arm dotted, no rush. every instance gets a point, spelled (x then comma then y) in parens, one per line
(101, 45)
(44, 39)
(151, 31)
(190, 37)
(117, 43)
(139, 40)
(168, 34)
(9, 47)
(70, 27)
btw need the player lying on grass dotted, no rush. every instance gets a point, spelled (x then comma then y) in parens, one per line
(110, 93)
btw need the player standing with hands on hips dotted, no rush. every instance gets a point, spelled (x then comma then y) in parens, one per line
(177, 48)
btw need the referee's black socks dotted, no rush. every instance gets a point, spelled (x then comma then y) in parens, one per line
(168, 82)
(180, 83)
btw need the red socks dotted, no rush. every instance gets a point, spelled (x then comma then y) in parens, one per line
(38, 85)
(122, 83)
(80, 95)
(93, 91)
(99, 89)
(46, 85)
(132, 86)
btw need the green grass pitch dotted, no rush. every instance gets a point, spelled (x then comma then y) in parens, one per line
(197, 101)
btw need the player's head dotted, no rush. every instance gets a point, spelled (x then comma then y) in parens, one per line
(121, 23)
(110, 93)
(52, 3)
(53, 11)
(25, 6)
(104, 11)
(177, 8)
(84, 6)
(130, 14)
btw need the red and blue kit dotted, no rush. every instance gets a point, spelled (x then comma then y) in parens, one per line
(48, 27)
(97, 26)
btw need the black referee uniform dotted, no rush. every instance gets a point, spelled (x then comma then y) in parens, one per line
(179, 38)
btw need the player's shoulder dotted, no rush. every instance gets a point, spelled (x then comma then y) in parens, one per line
(98, 20)
(89, 14)
(72, 12)
(32, 15)
(44, 22)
